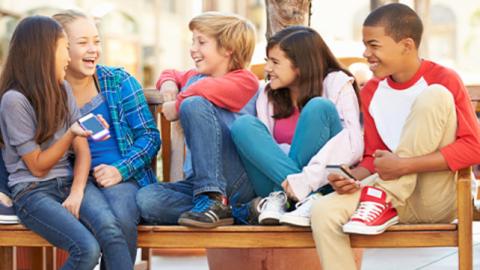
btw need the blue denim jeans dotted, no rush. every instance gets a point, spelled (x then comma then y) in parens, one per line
(215, 163)
(39, 207)
(121, 199)
(266, 164)
(3, 178)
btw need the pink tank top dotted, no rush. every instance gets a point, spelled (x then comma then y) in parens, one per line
(284, 129)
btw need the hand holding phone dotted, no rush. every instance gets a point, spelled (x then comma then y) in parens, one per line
(346, 183)
(340, 170)
(91, 123)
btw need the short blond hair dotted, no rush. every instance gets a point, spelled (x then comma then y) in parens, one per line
(232, 32)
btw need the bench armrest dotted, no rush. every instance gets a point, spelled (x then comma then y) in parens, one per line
(153, 97)
(155, 102)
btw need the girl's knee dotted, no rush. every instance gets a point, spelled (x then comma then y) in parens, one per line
(109, 232)
(319, 104)
(86, 253)
(92, 253)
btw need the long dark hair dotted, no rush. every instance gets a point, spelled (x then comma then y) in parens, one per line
(30, 69)
(308, 52)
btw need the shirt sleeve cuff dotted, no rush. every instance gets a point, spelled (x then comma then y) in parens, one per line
(297, 183)
(27, 148)
(367, 163)
(122, 169)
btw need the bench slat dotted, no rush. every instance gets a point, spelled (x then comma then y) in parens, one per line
(404, 239)
(253, 229)
(253, 237)
(21, 238)
(225, 239)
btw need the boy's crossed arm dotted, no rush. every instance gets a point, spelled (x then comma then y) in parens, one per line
(231, 91)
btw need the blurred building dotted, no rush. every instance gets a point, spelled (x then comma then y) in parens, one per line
(144, 36)
(452, 34)
(147, 36)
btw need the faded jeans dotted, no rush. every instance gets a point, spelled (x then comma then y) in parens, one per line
(215, 163)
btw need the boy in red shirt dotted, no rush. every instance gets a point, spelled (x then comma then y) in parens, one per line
(419, 129)
(212, 96)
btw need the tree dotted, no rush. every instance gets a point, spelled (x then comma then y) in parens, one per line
(376, 3)
(282, 13)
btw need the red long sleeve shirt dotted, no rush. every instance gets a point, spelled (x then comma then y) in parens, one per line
(382, 130)
(231, 91)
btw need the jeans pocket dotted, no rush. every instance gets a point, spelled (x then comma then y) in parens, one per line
(20, 191)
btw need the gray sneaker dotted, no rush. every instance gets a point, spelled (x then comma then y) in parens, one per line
(207, 213)
(246, 213)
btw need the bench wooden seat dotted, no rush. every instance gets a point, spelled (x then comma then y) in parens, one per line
(231, 236)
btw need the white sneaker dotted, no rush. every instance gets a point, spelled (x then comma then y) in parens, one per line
(301, 215)
(271, 208)
(7, 214)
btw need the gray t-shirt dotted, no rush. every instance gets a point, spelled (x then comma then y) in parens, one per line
(18, 124)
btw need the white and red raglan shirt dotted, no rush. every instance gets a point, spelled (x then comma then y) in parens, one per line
(386, 105)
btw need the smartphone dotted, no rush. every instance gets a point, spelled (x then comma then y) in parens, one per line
(341, 170)
(90, 122)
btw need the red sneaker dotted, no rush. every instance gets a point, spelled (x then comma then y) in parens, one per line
(373, 215)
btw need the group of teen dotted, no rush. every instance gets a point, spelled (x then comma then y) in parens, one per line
(255, 154)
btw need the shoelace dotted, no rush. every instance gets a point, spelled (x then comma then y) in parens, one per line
(307, 199)
(279, 196)
(368, 211)
(202, 203)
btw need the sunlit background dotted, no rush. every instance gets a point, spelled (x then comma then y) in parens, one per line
(147, 36)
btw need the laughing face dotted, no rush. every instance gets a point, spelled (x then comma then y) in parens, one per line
(281, 71)
(61, 58)
(84, 47)
(383, 53)
(208, 57)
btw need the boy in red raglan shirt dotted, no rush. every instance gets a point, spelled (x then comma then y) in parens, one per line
(419, 129)
(211, 97)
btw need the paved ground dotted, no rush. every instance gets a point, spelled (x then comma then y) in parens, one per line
(374, 259)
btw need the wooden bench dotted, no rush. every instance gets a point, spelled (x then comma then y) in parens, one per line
(422, 235)
(164, 237)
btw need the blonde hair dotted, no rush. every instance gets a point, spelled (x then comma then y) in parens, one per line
(232, 32)
(68, 16)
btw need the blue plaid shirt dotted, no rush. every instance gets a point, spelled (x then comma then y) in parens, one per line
(138, 137)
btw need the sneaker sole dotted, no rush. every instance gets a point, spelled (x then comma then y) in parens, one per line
(9, 219)
(369, 230)
(295, 221)
(269, 218)
(198, 224)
